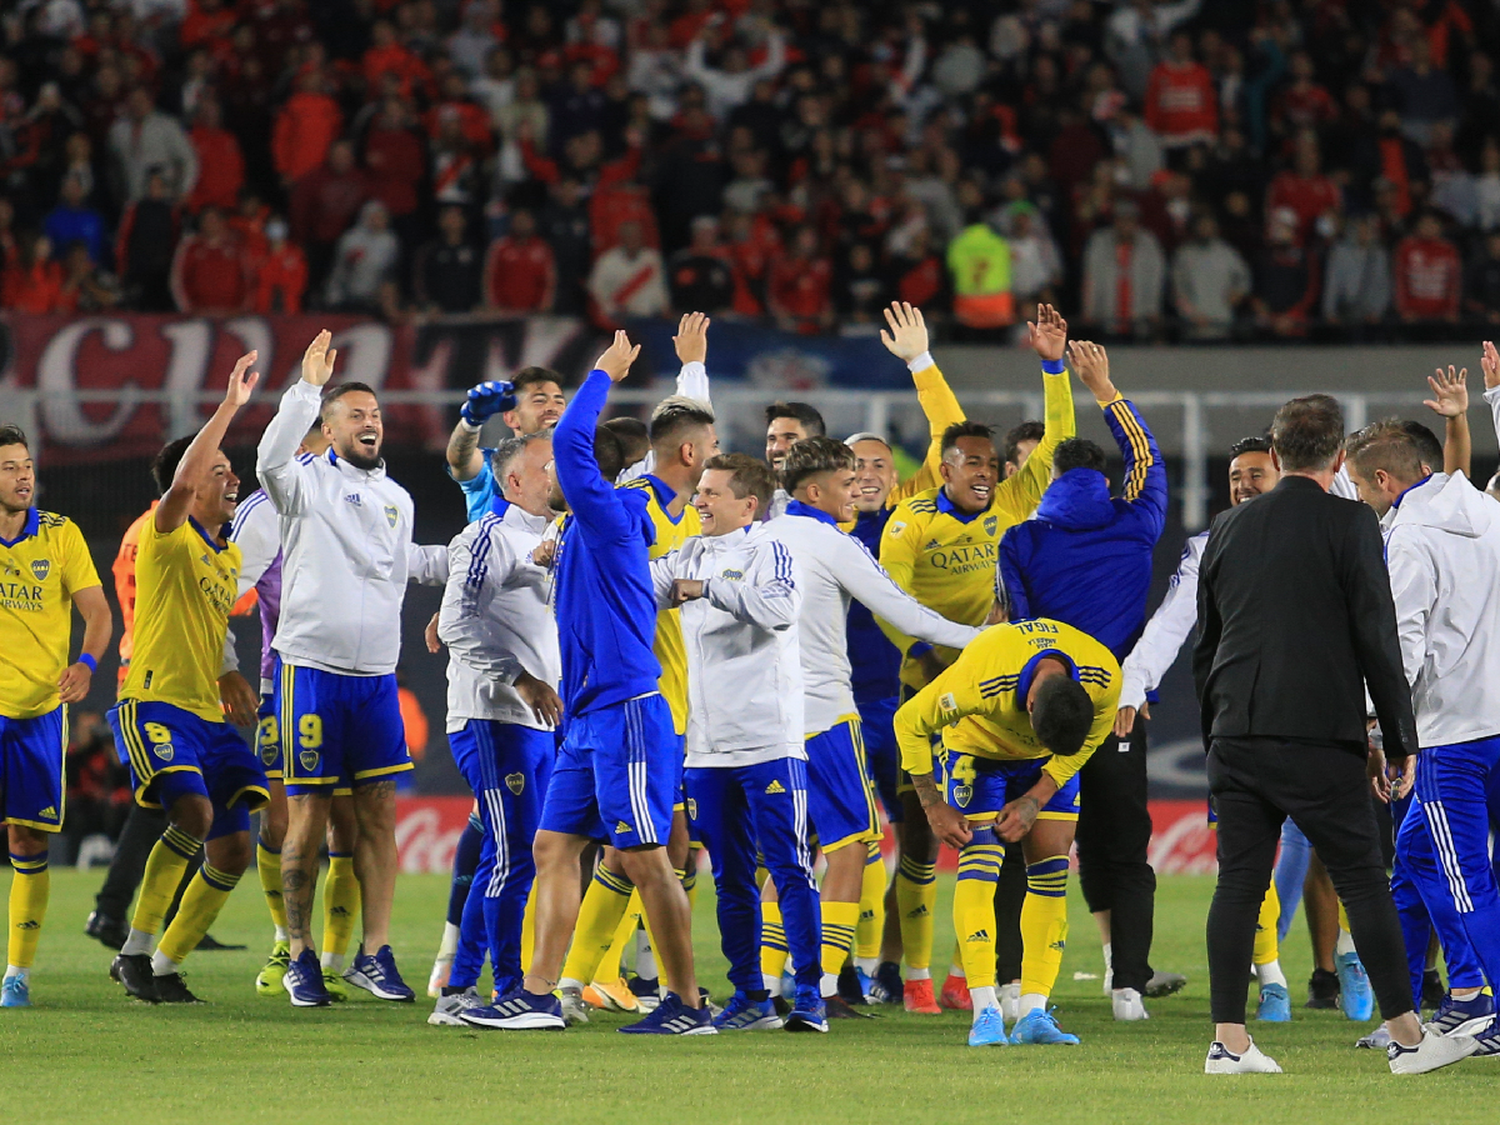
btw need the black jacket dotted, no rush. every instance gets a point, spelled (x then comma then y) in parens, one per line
(1296, 620)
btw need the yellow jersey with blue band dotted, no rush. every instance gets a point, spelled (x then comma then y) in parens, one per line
(946, 558)
(668, 646)
(186, 584)
(40, 571)
(979, 704)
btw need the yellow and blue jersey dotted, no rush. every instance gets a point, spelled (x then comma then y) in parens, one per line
(668, 646)
(186, 585)
(979, 704)
(40, 571)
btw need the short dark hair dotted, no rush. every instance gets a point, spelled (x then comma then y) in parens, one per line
(633, 435)
(959, 430)
(675, 415)
(333, 394)
(609, 451)
(803, 412)
(1307, 433)
(164, 464)
(749, 476)
(1427, 444)
(1062, 715)
(11, 434)
(1386, 445)
(1026, 431)
(1077, 453)
(811, 456)
(531, 376)
(1249, 445)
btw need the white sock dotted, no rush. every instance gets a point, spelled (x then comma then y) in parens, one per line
(829, 985)
(449, 945)
(568, 982)
(983, 998)
(13, 971)
(138, 942)
(918, 974)
(1031, 1002)
(162, 965)
(334, 962)
(773, 984)
(957, 970)
(1109, 958)
(1270, 973)
(645, 960)
(281, 934)
(1344, 945)
(1460, 994)
(867, 965)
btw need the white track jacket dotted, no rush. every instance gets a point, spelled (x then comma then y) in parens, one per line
(1169, 626)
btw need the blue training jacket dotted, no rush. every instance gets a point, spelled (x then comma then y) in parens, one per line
(1084, 558)
(606, 609)
(874, 662)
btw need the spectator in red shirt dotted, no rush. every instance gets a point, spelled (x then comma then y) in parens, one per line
(1428, 273)
(386, 55)
(519, 273)
(206, 21)
(395, 159)
(1304, 104)
(209, 271)
(221, 165)
(798, 289)
(1303, 188)
(1181, 105)
(324, 205)
(34, 283)
(281, 275)
(305, 128)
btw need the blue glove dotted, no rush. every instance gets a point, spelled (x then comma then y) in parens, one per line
(487, 400)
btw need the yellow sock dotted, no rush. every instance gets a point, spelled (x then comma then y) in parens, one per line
(200, 905)
(974, 911)
(773, 950)
(268, 866)
(341, 904)
(871, 907)
(1266, 947)
(839, 922)
(1343, 914)
(604, 904)
(609, 965)
(916, 896)
(30, 886)
(528, 930)
(1044, 924)
(165, 866)
(690, 877)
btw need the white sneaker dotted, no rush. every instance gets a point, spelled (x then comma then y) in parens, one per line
(1221, 1060)
(1010, 1001)
(1377, 1040)
(574, 1009)
(1127, 1004)
(446, 1013)
(1433, 1052)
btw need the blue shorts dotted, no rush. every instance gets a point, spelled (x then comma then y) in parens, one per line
(980, 787)
(335, 727)
(840, 798)
(172, 752)
(31, 769)
(618, 775)
(877, 720)
(268, 737)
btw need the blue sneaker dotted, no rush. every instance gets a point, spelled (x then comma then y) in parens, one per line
(888, 987)
(673, 1017)
(1275, 1004)
(1038, 1026)
(744, 1014)
(519, 1010)
(1463, 1017)
(988, 1029)
(15, 992)
(808, 1013)
(1488, 1040)
(378, 975)
(1355, 995)
(303, 981)
(866, 985)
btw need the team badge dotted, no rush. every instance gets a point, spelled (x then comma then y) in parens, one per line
(40, 568)
(963, 794)
(990, 524)
(164, 751)
(732, 575)
(692, 809)
(391, 515)
(308, 760)
(268, 753)
(947, 702)
(515, 782)
(896, 529)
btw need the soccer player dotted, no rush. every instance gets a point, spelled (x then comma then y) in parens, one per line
(1020, 712)
(347, 554)
(503, 671)
(940, 546)
(620, 765)
(47, 569)
(168, 725)
(529, 404)
(257, 531)
(831, 568)
(1251, 472)
(787, 423)
(746, 778)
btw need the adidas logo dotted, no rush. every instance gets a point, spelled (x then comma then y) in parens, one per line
(978, 935)
(29, 924)
(339, 911)
(621, 826)
(1058, 945)
(49, 813)
(775, 787)
(919, 912)
(932, 545)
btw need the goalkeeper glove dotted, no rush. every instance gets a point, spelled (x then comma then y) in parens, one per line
(486, 400)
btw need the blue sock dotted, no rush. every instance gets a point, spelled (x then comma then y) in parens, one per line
(465, 860)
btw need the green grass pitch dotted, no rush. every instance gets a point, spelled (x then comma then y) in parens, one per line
(85, 1053)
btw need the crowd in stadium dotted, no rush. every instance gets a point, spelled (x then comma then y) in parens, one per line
(1185, 170)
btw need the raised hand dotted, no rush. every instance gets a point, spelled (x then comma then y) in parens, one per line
(317, 361)
(1048, 336)
(691, 340)
(907, 338)
(1091, 362)
(1489, 363)
(1450, 393)
(486, 400)
(242, 381)
(617, 358)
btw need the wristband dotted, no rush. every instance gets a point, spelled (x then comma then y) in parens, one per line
(1054, 366)
(88, 661)
(469, 426)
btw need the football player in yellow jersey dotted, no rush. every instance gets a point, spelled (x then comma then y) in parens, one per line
(169, 726)
(45, 572)
(941, 547)
(1019, 713)
(682, 441)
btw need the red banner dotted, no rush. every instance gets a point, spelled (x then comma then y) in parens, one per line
(427, 831)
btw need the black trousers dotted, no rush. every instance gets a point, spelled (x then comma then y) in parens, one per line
(1256, 784)
(143, 827)
(1114, 837)
(1010, 896)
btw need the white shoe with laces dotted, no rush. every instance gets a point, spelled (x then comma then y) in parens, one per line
(1433, 1052)
(1221, 1060)
(1127, 1005)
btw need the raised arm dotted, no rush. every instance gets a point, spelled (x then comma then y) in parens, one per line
(201, 454)
(483, 402)
(1048, 336)
(1450, 400)
(691, 344)
(907, 340)
(1489, 363)
(860, 575)
(1163, 636)
(601, 514)
(280, 473)
(1145, 473)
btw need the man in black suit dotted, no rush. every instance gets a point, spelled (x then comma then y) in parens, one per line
(1296, 620)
